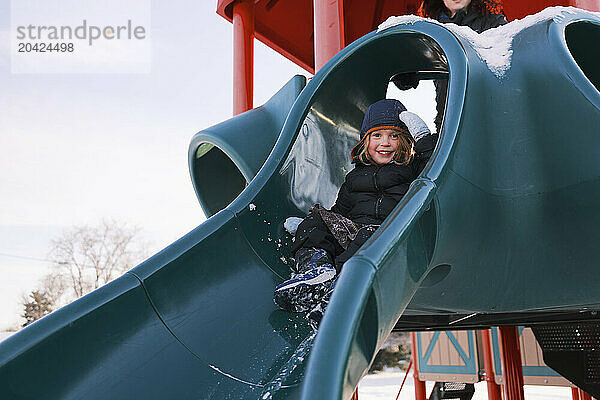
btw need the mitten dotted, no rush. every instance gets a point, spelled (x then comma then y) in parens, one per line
(416, 126)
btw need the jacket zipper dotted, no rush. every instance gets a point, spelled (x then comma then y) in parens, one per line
(378, 202)
(375, 179)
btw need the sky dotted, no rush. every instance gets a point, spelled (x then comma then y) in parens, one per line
(76, 147)
(79, 147)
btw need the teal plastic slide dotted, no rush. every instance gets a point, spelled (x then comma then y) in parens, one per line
(501, 227)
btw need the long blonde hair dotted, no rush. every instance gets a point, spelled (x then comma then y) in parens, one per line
(404, 153)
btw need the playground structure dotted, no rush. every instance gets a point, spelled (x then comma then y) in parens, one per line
(334, 25)
(470, 356)
(173, 326)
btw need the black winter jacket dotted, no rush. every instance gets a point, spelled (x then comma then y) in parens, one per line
(475, 20)
(370, 192)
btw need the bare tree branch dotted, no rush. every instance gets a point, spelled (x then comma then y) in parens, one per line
(88, 257)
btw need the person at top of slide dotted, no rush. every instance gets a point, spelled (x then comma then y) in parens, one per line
(479, 15)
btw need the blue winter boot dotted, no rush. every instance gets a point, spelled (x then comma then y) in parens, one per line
(315, 315)
(310, 258)
(305, 289)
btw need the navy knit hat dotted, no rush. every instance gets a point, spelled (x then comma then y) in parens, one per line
(384, 114)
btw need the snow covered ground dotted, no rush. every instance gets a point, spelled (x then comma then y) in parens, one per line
(385, 386)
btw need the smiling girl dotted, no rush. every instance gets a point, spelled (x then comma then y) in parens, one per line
(394, 147)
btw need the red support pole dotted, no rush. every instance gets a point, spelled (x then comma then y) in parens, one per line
(583, 395)
(512, 369)
(590, 5)
(494, 390)
(328, 30)
(243, 56)
(404, 380)
(420, 390)
(355, 395)
(575, 393)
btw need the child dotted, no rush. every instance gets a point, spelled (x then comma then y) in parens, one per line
(394, 147)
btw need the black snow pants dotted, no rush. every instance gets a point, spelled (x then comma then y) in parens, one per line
(320, 230)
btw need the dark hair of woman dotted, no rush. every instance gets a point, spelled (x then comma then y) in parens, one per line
(433, 8)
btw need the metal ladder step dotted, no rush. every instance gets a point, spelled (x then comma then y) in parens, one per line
(452, 390)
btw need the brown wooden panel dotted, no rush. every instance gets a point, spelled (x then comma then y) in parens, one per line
(448, 378)
(463, 339)
(425, 341)
(529, 349)
(444, 345)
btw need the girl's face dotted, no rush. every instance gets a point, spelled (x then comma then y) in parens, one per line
(456, 5)
(383, 145)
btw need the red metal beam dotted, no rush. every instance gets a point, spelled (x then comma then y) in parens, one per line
(512, 369)
(420, 390)
(592, 5)
(492, 387)
(243, 56)
(583, 395)
(287, 25)
(405, 376)
(329, 30)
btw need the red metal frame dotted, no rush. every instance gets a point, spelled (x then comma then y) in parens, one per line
(512, 369)
(583, 395)
(494, 390)
(420, 390)
(243, 56)
(592, 5)
(283, 25)
(329, 30)
(405, 376)
(287, 25)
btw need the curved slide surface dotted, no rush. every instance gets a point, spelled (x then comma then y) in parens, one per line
(499, 210)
